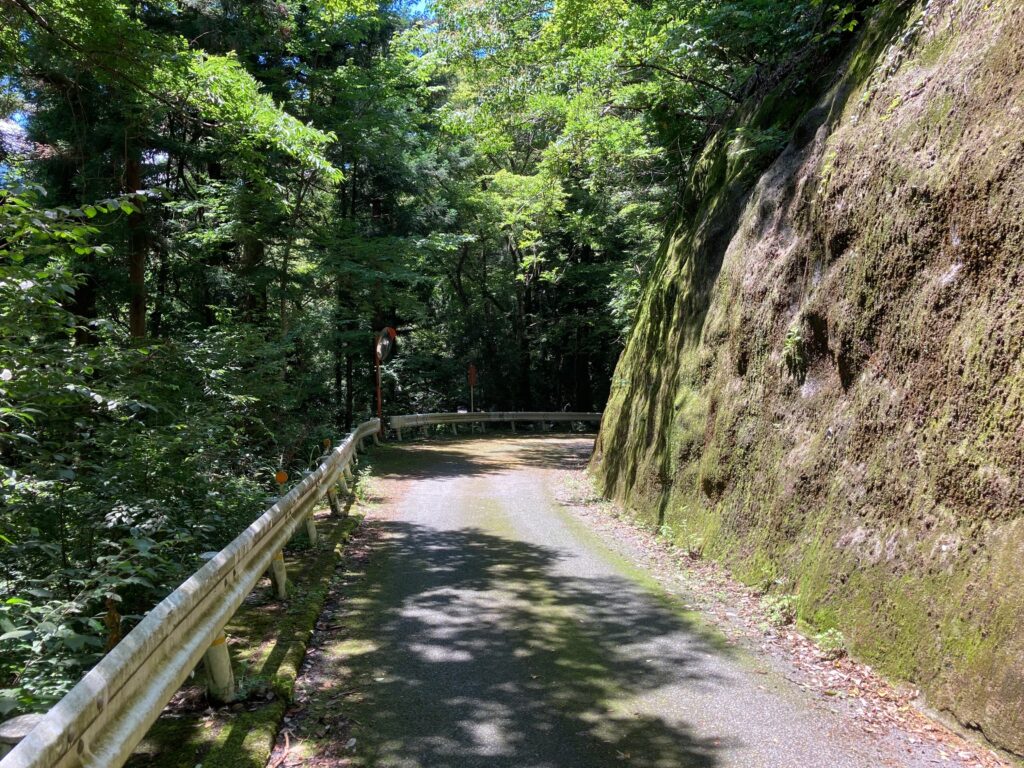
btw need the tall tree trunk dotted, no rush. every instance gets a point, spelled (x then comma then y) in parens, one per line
(524, 308)
(254, 298)
(350, 393)
(160, 300)
(352, 189)
(287, 250)
(339, 353)
(137, 248)
(83, 304)
(584, 395)
(283, 287)
(220, 257)
(339, 386)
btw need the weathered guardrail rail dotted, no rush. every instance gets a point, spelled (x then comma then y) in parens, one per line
(398, 423)
(103, 718)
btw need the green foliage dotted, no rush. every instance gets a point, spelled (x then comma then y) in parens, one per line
(220, 90)
(118, 466)
(831, 643)
(682, 535)
(794, 354)
(780, 609)
(239, 195)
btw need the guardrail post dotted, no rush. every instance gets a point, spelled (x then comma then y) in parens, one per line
(279, 575)
(347, 472)
(332, 500)
(14, 730)
(311, 529)
(398, 431)
(513, 426)
(218, 669)
(455, 429)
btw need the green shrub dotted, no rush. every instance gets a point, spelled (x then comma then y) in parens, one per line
(780, 609)
(831, 643)
(794, 354)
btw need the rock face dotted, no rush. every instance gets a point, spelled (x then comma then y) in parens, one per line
(825, 385)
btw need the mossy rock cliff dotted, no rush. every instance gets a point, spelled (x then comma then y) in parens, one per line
(825, 384)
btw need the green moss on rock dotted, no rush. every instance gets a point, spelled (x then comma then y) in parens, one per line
(884, 486)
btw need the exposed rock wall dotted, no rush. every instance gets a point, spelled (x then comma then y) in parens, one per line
(825, 385)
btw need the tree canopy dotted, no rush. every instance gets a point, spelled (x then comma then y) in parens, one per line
(209, 207)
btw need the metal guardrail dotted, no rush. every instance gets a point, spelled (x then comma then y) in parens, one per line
(410, 421)
(101, 720)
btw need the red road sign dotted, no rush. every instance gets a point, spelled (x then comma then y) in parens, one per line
(472, 375)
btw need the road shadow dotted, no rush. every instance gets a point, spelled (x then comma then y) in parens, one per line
(482, 455)
(464, 648)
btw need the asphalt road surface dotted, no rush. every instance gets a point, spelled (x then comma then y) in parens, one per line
(485, 626)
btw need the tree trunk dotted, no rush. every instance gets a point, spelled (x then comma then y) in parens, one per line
(584, 395)
(340, 386)
(137, 247)
(283, 287)
(350, 393)
(524, 309)
(254, 298)
(83, 304)
(221, 257)
(160, 300)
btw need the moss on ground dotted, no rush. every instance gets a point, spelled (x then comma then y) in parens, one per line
(268, 641)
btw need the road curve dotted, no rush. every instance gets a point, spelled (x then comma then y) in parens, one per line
(486, 627)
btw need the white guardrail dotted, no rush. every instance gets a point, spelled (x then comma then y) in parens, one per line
(511, 417)
(101, 720)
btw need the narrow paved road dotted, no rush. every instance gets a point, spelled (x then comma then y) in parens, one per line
(484, 626)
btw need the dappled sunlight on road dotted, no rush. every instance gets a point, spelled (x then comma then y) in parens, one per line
(478, 624)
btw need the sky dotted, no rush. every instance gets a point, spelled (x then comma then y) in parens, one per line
(418, 7)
